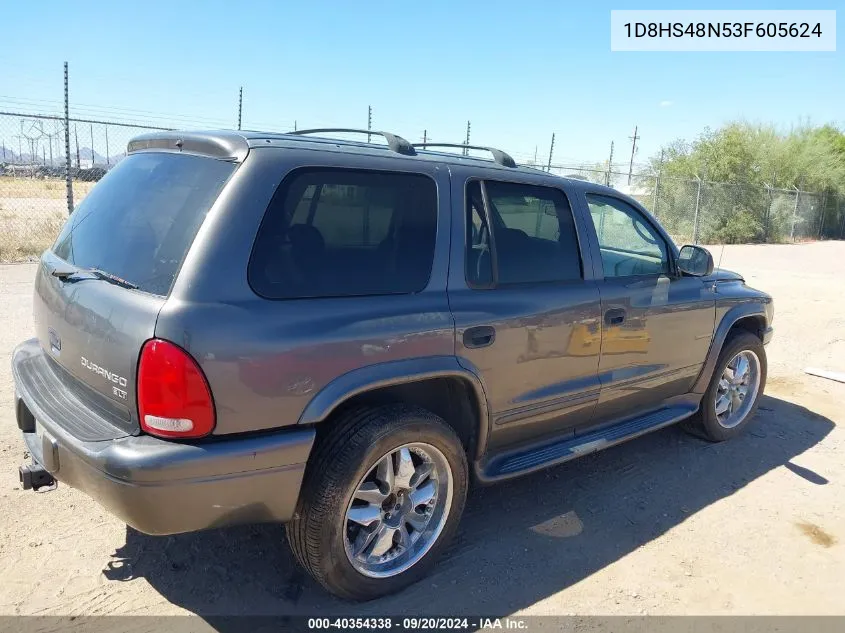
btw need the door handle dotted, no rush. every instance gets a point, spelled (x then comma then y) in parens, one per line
(615, 316)
(479, 336)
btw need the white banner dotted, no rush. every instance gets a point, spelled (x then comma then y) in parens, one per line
(723, 30)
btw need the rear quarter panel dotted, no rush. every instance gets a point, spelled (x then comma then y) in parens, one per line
(265, 360)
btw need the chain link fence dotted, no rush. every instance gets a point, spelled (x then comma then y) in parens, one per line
(38, 190)
(704, 212)
(35, 181)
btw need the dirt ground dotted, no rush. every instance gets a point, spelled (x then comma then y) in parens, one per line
(666, 524)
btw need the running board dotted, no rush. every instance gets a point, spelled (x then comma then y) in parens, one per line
(526, 460)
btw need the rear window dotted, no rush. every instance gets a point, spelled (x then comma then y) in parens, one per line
(140, 220)
(341, 232)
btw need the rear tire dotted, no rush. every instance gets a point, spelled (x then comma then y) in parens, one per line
(383, 493)
(731, 399)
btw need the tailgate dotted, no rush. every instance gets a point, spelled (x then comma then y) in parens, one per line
(99, 289)
(91, 333)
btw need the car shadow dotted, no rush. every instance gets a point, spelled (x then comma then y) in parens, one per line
(519, 541)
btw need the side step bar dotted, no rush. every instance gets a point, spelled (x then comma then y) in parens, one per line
(526, 460)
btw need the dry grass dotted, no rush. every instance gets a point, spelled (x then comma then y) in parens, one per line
(25, 238)
(53, 189)
(32, 212)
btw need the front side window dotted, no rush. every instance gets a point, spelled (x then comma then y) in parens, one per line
(629, 244)
(338, 232)
(533, 235)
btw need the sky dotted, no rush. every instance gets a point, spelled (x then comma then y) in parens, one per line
(519, 71)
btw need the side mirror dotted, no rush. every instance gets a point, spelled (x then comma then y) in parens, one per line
(695, 261)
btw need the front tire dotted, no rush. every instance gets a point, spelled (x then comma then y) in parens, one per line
(382, 497)
(731, 399)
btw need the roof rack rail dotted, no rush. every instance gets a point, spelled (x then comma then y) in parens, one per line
(394, 142)
(576, 177)
(503, 158)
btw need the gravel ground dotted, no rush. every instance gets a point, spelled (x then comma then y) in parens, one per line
(666, 524)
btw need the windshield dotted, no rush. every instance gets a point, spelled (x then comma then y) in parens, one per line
(140, 220)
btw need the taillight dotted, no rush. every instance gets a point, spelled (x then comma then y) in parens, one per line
(173, 395)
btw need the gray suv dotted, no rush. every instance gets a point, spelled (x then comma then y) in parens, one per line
(239, 327)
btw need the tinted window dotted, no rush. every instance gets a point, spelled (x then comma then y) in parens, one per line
(629, 244)
(533, 233)
(139, 221)
(335, 233)
(479, 262)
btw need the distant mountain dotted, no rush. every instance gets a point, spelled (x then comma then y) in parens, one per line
(85, 156)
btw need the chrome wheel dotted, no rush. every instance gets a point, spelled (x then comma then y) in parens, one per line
(737, 389)
(398, 510)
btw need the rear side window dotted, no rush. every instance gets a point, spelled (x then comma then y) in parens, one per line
(340, 232)
(533, 236)
(140, 220)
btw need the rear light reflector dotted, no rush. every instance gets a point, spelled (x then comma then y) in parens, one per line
(168, 424)
(174, 399)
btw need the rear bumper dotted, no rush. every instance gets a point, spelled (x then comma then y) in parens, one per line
(163, 487)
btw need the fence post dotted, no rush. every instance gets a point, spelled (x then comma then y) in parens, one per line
(821, 217)
(68, 182)
(794, 215)
(695, 218)
(656, 193)
(767, 214)
(841, 228)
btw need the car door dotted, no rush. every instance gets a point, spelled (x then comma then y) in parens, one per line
(525, 306)
(656, 323)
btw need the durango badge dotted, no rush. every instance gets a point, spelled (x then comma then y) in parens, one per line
(108, 375)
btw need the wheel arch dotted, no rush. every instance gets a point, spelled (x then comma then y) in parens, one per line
(438, 383)
(749, 317)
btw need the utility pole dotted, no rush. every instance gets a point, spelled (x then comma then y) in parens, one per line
(551, 152)
(294, 125)
(609, 166)
(240, 105)
(425, 138)
(68, 183)
(535, 155)
(466, 142)
(633, 151)
(369, 121)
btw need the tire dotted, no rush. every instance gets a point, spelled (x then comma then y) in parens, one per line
(353, 449)
(714, 427)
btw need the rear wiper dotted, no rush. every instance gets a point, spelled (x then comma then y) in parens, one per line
(65, 273)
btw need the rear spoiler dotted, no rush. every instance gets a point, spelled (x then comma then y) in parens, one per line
(221, 145)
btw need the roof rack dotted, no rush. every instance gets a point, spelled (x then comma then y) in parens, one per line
(576, 177)
(499, 156)
(394, 142)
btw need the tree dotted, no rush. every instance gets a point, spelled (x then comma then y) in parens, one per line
(742, 167)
